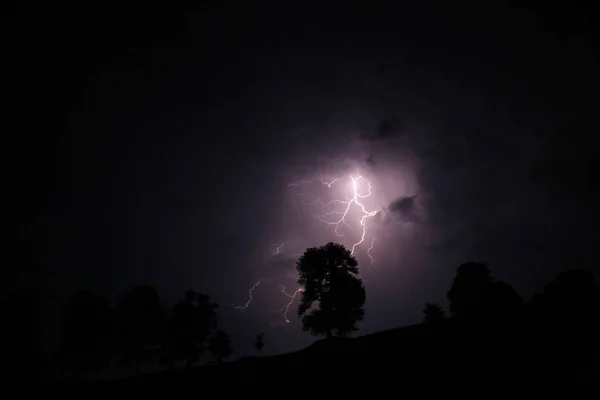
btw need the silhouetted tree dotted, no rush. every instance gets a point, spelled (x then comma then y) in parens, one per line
(328, 275)
(502, 301)
(475, 294)
(468, 290)
(140, 319)
(87, 328)
(220, 346)
(187, 331)
(432, 313)
(259, 342)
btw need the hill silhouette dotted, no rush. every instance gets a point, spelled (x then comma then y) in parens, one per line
(452, 353)
(492, 339)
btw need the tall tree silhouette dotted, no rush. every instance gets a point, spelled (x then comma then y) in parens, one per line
(468, 290)
(220, 346)
(328, 275)
(87, 328)
(259, 342)
(475, 294)
(432, 313)
(187, 331)
(502, 301)
(140, 319)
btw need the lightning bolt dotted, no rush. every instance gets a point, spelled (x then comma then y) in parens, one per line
(340, 215)
(371, 256)
(356, 186)
(283, 310)
(278, 247)
(369, 251)
(286, 307)
(328, 184)
(292, 296)
(247, 304)
(299, 183)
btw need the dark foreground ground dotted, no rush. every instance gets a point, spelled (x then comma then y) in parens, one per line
(421, 357)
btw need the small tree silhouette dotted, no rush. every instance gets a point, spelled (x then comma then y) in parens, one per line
(220, 346)
(259, 342)
(140, 319)
(433, 313)
(187, 331)
(87, 328)
(328, 275)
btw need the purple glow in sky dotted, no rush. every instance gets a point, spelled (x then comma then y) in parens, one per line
(351, 208)
(172, 160)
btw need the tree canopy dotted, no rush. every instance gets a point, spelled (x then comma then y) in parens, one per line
(329, 277)
(140, 319)
(191, 323)
(220, 346)
(476, 294)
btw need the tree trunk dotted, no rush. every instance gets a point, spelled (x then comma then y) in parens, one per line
(137, 368)
(329, 334)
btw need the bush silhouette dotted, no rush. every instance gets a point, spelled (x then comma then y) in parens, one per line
(328, 275)
(432, 313)
(259, 342)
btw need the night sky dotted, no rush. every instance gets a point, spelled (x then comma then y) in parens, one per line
(167, 148)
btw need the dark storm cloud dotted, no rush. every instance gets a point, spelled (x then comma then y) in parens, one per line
(448, 245)
(281, 266)
(403, 204)
(379, 217)
(386, 129)
(404, 209)
(390, 127)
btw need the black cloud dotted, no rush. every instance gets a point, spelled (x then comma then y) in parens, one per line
(387, 129)
(404, 208)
